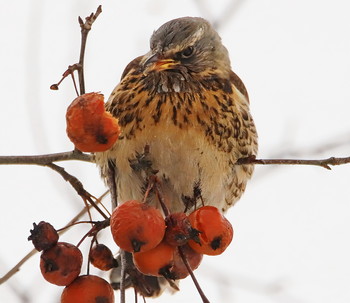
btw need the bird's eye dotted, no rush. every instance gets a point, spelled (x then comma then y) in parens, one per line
(187, 52)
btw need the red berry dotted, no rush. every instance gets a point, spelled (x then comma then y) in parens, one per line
(88, 289)
(89, 126)
(216, 231)
(102, 257)
(137, 226)
(61, 264)
(157, 261)
(43, 236)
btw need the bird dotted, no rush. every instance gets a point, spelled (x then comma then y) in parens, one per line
(185, 117)
(184, 113)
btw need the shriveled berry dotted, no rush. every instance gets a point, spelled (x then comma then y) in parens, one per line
(88, 289)
(179, 230)
(43, 236)
(216, 231)
(136, 226)
(89, 126)
(61, 264)
(102, 257)
(157, 261)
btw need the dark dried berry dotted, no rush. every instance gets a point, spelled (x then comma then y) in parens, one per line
(61, 264)
(102, 257)
(43, 236)
(179, 230)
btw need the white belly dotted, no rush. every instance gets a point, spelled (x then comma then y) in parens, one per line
(182, 159)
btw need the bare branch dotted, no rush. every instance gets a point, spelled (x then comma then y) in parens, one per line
(190, 271)
(46, 159)
(69, 71)
(325, 163)
(78, 186)
(123, 265)
(111, 175)
(85, 29)
(228, 13)
(17, 267)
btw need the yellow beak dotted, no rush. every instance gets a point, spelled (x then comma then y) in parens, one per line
(164, 64)
(155, 63)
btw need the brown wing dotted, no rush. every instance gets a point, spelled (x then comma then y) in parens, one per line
(239, 84)
(134, 64)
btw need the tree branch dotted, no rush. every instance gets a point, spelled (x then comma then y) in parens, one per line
(78, 186)
(17, 267)
(48, 158)
(85, 29)
(43, 160)
(325, 163)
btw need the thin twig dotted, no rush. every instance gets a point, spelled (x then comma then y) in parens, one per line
(95, 229)
(123, 266)
(194, 279)
(69, 71)
(78, 186)
(76, 155)
(148, 190)
(227, 14)
(325, 163)
(85, 29)
(17, 267)
(160, 195)
(89, 255)
(111, 175)
(47, 158)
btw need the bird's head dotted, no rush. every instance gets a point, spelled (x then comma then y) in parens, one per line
(188, 44)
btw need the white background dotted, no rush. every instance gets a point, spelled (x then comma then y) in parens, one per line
(292, 226)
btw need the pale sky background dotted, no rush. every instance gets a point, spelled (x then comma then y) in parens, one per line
(292, 227)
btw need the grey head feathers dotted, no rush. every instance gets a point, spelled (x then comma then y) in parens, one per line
(193, 41)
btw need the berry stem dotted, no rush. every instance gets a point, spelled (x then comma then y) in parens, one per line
(160, 195)
(76, 223)
(85, 29)
(194, 279)
(78, 186)
(97, 227)
(88, 263)
(122, 274)
(111, 174)
(148, 190)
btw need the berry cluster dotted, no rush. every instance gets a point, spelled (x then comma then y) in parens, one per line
(60, 264)
(162, 246)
